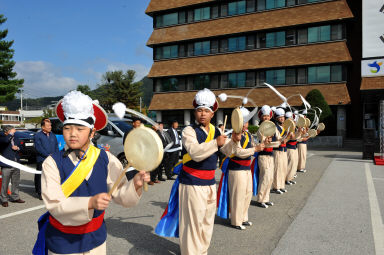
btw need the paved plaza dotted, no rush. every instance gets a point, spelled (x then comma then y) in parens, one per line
(335, 208)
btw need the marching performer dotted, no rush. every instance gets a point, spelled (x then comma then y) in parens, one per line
(292, 153)
(265, 161)
(75, 182)
(239, 176)
(302, 153)
(280, 156)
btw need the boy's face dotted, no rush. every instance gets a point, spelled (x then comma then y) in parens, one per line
(203, 116)
(265, 117)
(77, 137)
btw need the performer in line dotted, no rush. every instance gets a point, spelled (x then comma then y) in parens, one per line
(265, 161)
(197, 191)
(302, 152)
(75, 182)
(280, 155)
(292, 153)
(239, 175)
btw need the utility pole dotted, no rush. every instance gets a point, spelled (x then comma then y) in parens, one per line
(21, 99)
(140, 104)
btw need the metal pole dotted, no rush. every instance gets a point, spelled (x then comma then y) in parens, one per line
(140, 105)
(381, 129)
(21, 99)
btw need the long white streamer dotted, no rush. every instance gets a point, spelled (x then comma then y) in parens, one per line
(19, 166)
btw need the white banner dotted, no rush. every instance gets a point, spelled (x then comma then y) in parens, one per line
(372, 67)
(373, 28)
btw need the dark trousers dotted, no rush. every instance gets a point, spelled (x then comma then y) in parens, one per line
(158, 172)
(39, 166)
(172, 159)
(12, 175)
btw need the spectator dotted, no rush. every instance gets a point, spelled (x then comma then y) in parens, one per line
(173, 157)
(136, 122)
(158, 172)
(45, 145)
(9, 147)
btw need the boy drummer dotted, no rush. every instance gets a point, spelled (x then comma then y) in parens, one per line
(75, 182)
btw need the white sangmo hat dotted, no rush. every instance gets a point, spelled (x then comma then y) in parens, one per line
(205, 99)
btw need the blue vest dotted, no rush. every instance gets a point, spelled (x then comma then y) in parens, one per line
(209, 163)
(62, 243)
(233, 166)
(280, 148)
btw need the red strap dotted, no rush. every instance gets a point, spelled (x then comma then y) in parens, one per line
(292, 143)
(268, 149)
(283, 145)
(201, 174)
(91, 226)
(242, 162)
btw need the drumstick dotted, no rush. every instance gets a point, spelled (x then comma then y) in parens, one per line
(225, 122)
(119, 180)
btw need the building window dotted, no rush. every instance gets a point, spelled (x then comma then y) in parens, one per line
(190, 50)
(291, 2)
(336, 73)
(236, 80)
(214, 81)
(251, 4)
(237, 7)
(290, 76)
(169, 84)
(337, 32)
(170, 51)
(182, 50)
(170, 19)
(302, 75)
(275, 39)
(275, 77)
(202, 13)
(250, 42)
(260, 78)
(182, 17)
(202, 48)
(214, 46)
(236, 43)
(223, 45)
(318, 74)
(158, 85)
(290, 37)
(261, 40)
(302, 36)
(272, 4)
(319, 34)
(224, 81)
(260, 5)
(224, 10)
(201, 82)
(190, 15)
(251, 79)
(215, 11)
(190, 83)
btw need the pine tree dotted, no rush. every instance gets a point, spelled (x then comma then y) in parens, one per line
(316, 99)
(9, 86)
(119, 87)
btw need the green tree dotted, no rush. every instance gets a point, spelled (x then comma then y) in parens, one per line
(118, 86)
(9, 86)
(85, 89)
(316, 99)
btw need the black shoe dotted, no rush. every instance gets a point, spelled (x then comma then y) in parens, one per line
(277, 191)
(269, 203)
(288, 183)
(247, 223)
(170, 178)
(292, 182)
(161, 179)
(39, 196)
(283, 190)
(262, 205)
(18, 201)
(4, 204)
(301, 171)
(238, 227)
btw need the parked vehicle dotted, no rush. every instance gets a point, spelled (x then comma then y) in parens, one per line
(27, 141)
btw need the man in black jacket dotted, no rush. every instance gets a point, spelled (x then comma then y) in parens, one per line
(9, 147)
(158, 172)
(173, 156)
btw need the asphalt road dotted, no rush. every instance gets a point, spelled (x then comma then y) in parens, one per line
(131, 231)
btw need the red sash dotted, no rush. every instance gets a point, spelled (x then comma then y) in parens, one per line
(268, 149)
(201, 174)
(283, 145)
(242, 162)
(292, 143)
(91, 226)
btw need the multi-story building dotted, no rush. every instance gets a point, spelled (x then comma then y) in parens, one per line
(234, 46)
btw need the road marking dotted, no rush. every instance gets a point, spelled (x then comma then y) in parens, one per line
(26, 186)
(376, 219)
(378, 179)
(21, 212)
(310, 155)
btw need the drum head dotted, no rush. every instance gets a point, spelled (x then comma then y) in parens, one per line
(321, 126)
(237, 120)
(267, 128)
(300, 122)
(289, 125)
(307, 122)
(143, 148)
(312, 133)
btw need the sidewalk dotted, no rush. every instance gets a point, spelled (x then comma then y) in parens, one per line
(337, 216)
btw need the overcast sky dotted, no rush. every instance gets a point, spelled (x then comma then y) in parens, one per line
(60, 44)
